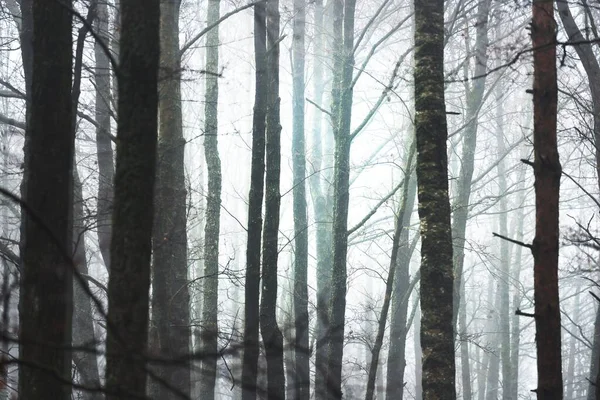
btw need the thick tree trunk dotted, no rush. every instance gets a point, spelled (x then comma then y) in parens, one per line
(437, 275)
(301, 346)
(106, 168)
(46, 302)
(133, 208)
(342, 93)
(271, 335)
(255, 198)
(547, 171)
(210, 335)
(170, 294)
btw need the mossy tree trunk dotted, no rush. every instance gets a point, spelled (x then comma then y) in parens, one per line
(437, 277)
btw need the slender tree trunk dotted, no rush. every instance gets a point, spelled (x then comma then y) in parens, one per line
(418, 355)
(255, 198)
(210, 335)
(493, 369)
(271, 335)
(396, 263)
(437, 277)
(301, 350)
(396, 363)
(322, 206)
(46, 302)
(503, 284)
(342, 93)
(570, 378)
(133, 209)
(106, 168)
(547, 171)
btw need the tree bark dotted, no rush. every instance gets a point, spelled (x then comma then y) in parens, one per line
(255, 198)
(210, 336)
(271, 335)
(547, 172)
(437, 277)
(133, 208)
(301, 346)
(45, 308)
(170, 294)
(342, 93)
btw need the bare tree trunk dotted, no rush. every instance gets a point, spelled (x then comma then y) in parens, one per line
(170, 294)
(46, 302)
(210, 336)
(418, 355)
(271, 335)
(301, 346)
(437, 277)
(133, 209)
(547, 171)
(255, 198)
(342, 93)
(106, 168)
(396, 263)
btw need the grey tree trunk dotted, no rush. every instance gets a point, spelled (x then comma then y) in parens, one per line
(46, 302)
(396, 362)
(133, 207)
(104, 152)
(301, 346)
(341, 93)
(493, 370)
(397, 264)
(322, 204)
(418, 355)
(437, 275)
(255, 198)
(210, 334)
(271, 334)
(170, 294)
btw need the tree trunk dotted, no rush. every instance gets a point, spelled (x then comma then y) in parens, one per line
(396, 264)
(547, 171)
(342, 93)
(255, 198)
(131, 246)
(301, 350)
(170, 294)
(322, 205)
(437, 277)
(418, 355)
(210, 336)
(493, 368)
(106, 168)
(396, 363)
(46, 302)
(271, 335)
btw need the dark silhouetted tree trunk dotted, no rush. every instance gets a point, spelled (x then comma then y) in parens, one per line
(133, 208)
(170, 294)
(547, 171)
(301, 350)
(437, 277)
(210, 334)
(271, 335)
(46, 302)
(255, 198)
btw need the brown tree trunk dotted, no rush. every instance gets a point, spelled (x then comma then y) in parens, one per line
(45, 308)
(133, 209)
(547, 171)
